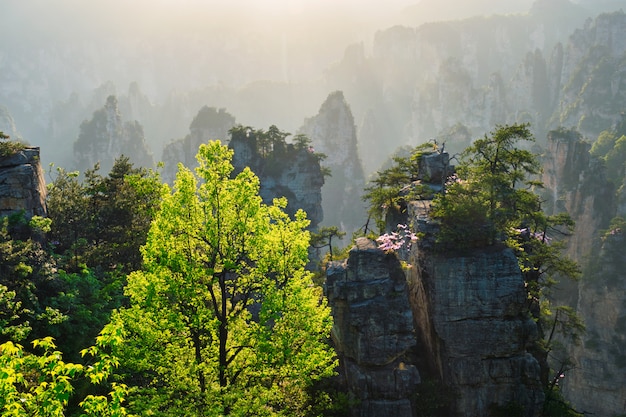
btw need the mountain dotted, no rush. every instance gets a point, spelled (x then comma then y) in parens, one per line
(333, 133)
(105, 137)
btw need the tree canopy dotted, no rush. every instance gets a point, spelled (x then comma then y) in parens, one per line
(223, 319)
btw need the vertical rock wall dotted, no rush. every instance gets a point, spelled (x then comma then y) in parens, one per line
(373, 331)
(333, 133)
(22, 184)
(576, 183)
(473, 322)
(461, 320)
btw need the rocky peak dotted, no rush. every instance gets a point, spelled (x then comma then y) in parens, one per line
(333, 133)
(460, 322)
(373, 331)
(474, 330)
(292, 172)
(209, 123)
(105, 137)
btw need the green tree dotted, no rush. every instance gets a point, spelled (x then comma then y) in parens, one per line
(385, 191)
(103, 221)
(492, 202)
(8, 147)
(324, 238)
(26, 281)
(41, 385)
(223, 319)
(493, 192)
(98, 226)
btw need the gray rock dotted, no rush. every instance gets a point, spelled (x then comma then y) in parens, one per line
(373, 331)
(22, 184)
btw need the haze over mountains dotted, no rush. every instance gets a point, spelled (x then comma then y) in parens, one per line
(267, 63)
(87, 80)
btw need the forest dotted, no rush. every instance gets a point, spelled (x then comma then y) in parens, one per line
(440, 235)
(136, 298)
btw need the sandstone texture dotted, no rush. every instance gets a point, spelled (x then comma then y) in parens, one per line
(373, 331)
(22, 184)
(462, 321)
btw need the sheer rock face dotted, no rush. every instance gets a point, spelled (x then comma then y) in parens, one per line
(373, 331)
(333, 133)
(462, 320)
(105, 137)
(295, 174)
(597, 381)
(473, 324)
(22, 184)
(209, 124)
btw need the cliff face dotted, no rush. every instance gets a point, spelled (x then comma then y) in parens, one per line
(291, 172)
(106, 136)
(373, 332)
(578, 185)
(22, 184)
(592, 80)
(472, 317)
(209, 124)
(460, 320)
(333, 133)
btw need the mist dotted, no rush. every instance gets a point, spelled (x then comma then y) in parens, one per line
(267, 62)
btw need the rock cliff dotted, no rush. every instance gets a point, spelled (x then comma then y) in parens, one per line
(333, 133)
(374, 332)
(576, 182)
(22, 184)
(293, 172)
(472, 319)
(461, 320)
(105, 137)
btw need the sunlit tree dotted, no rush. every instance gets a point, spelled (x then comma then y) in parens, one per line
(224, 319)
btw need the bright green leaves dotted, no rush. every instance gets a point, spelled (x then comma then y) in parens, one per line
(41, 385)
(224, 318)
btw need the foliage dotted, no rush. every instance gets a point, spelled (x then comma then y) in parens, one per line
(41, 385)
(272, 148)
(611, 148)
(25, 283)
(98, 226)
(223, 319)
(8, 147)
(493, 194)
(103, 221)
(385, 192)
(324, 238)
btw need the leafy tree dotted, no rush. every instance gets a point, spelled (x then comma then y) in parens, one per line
(8, 147)
(25, 282)
(223, 319)
(385, 192)
(492, 202)
(324, 238)
(40, 385)
(494, 188)
(103, 221)
(98, 226)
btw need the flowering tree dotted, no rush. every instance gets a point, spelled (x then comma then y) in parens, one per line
(395, 241)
